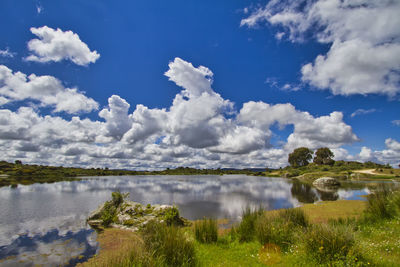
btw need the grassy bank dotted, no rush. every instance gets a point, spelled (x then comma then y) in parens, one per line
(338, 233)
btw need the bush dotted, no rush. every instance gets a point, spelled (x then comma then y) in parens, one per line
(169, 244)
(206, 231)
(118, 198)
(328, 243)
(246, 230)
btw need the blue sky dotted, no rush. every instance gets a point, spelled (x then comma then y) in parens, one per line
(276, 75)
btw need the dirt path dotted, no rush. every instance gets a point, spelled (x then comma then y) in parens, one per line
(368, 171)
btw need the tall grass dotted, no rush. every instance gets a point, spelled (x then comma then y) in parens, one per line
(246, 229)
(296, 216)
(169, 244)
(384, 203)
(280, 228)
(329, 243)
(206, 231)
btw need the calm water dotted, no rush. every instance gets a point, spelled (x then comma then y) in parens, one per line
(46, 223)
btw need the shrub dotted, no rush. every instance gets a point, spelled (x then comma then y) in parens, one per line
(169, 244)
(117, 198)
(246, 230)
(328, 243)
(172, 217)
(206, 231)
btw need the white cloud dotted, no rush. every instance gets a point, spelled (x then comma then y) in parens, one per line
(117, 119)
(7, 53)
(361, 111)
(396, 122)
(309, 131)
(366, 154)
(195, 81)
(146, 123)
(199, 129)
(48, 90)
(364, 57)
(57, 45)
(390, 155)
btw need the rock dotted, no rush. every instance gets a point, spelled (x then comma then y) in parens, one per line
(133, 216)
(328, 181)
(96, 215)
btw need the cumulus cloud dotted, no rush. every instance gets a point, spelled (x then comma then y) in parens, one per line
(58, 45)
(361, 111)
(390, 155)
(117, 119)
(364, 57)
(199, 129)
(48, 90)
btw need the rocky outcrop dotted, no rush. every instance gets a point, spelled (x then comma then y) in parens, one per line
(326, 181)
(133, 216)
(326, 184)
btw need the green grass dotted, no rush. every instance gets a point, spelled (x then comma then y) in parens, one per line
(229, 254)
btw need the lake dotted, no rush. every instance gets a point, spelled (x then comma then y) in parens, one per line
(46, 223)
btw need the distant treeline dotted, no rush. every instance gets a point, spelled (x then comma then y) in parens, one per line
(18, 173)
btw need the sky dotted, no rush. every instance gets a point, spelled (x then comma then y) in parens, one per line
(205, 84)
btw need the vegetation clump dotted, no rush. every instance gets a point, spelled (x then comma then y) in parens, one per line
(280, 228)
(329, 243)
(172, 217)
(169, 244)
(206, 231)
(245, 231)
(108, 214)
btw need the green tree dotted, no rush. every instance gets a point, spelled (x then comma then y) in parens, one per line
(323, 156)
(300, 157)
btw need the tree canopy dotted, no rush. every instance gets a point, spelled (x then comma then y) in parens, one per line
(323, 156)
(300, 157)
